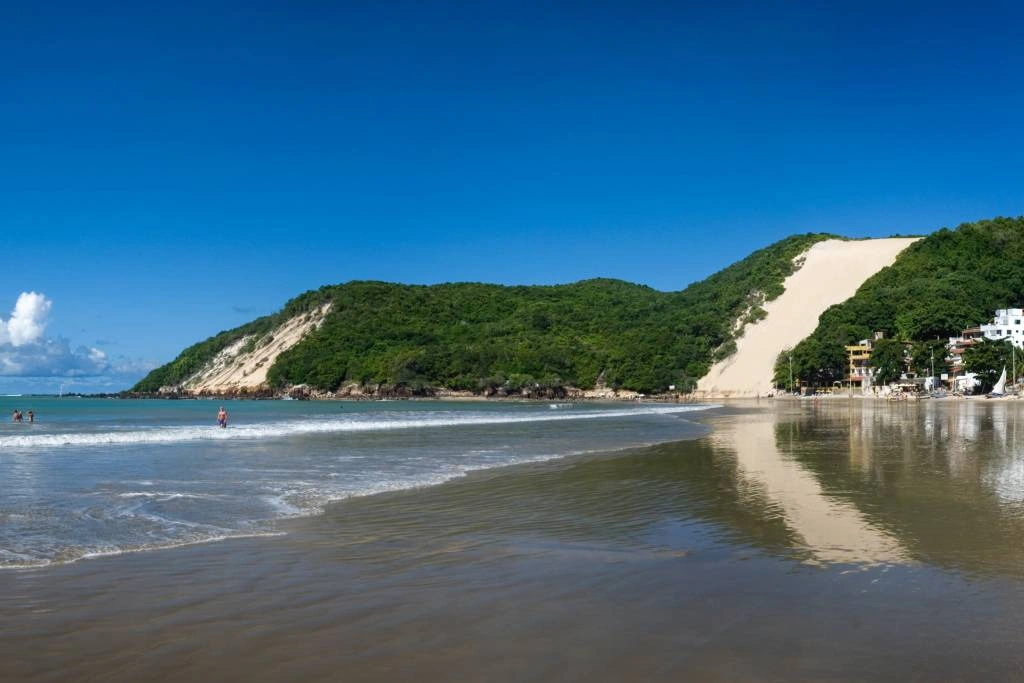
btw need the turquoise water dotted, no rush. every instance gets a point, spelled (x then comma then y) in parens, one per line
(96, 477)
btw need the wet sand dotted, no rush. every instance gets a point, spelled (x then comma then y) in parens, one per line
(809, 543)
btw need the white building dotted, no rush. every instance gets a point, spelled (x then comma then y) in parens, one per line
(1006, 325)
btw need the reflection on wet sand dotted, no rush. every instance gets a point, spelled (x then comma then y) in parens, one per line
(832, 530)
(943, 479)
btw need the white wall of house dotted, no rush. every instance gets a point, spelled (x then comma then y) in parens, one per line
(1007, 324)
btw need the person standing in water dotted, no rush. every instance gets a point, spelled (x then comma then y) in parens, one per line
(31, 416)
(17, 415)
(222, 417)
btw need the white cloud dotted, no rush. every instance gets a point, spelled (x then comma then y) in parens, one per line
(26, 352)
(51, 358)
(29, 360)
(28, 320)
(132, 367)
(121, 374)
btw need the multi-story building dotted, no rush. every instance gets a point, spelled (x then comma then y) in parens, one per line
(1007, 325)
(957, 346)
(858, 372)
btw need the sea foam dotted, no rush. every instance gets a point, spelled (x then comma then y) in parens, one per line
(361, 422)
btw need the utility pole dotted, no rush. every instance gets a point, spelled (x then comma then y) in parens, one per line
(933, 369)
(791, 372)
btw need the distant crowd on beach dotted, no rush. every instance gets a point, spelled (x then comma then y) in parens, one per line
(18, 417)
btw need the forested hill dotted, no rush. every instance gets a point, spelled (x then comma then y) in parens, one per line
(474, 336)
(938, 286)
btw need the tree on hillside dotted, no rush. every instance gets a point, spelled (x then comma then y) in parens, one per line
(814, 364)
(784, 376)
(888, 360)
(923, 355)
(819, 364)
(478, 337)
(987, 358)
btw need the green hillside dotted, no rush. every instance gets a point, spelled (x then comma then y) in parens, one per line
(194, 357)
(950, 280)
(473, 336)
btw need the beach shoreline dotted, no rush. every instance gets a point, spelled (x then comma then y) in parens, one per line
(682, 559)
(447, 442)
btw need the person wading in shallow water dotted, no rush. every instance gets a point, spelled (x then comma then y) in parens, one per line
(222, 417)
(17, 415)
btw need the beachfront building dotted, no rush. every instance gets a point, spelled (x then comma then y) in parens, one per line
(858, 372)
(1008, 324)
(858, 354)
(956, 348)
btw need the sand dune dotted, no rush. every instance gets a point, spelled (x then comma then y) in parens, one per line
(236, 367)
(831, 274)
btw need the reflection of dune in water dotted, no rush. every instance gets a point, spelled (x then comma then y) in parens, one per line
(833, 531)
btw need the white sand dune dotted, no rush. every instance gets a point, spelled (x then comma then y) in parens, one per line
(832, 273)
(236, 368)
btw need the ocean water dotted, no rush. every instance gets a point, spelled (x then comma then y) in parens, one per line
(773, 541)
(95, 477)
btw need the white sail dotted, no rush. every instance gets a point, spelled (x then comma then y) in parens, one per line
(1000, 387)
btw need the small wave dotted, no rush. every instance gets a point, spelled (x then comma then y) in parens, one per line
(298, 495)
(355, 423)
(11, 560)
(161, 496)
(282, 507)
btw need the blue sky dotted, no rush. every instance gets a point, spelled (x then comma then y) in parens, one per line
(172, 171)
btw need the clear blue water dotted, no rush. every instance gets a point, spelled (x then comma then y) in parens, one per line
(104, 476)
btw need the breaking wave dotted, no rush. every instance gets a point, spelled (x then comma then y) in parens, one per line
(353, 423)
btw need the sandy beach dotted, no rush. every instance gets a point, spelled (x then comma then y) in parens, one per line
(759, 551)
(831, 274)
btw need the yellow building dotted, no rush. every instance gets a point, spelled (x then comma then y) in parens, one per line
(858, 356)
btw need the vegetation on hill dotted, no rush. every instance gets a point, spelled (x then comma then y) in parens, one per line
(192, 359)
(478, 336)
(937, 287)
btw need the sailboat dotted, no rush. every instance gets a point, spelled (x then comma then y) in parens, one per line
(999, 389)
